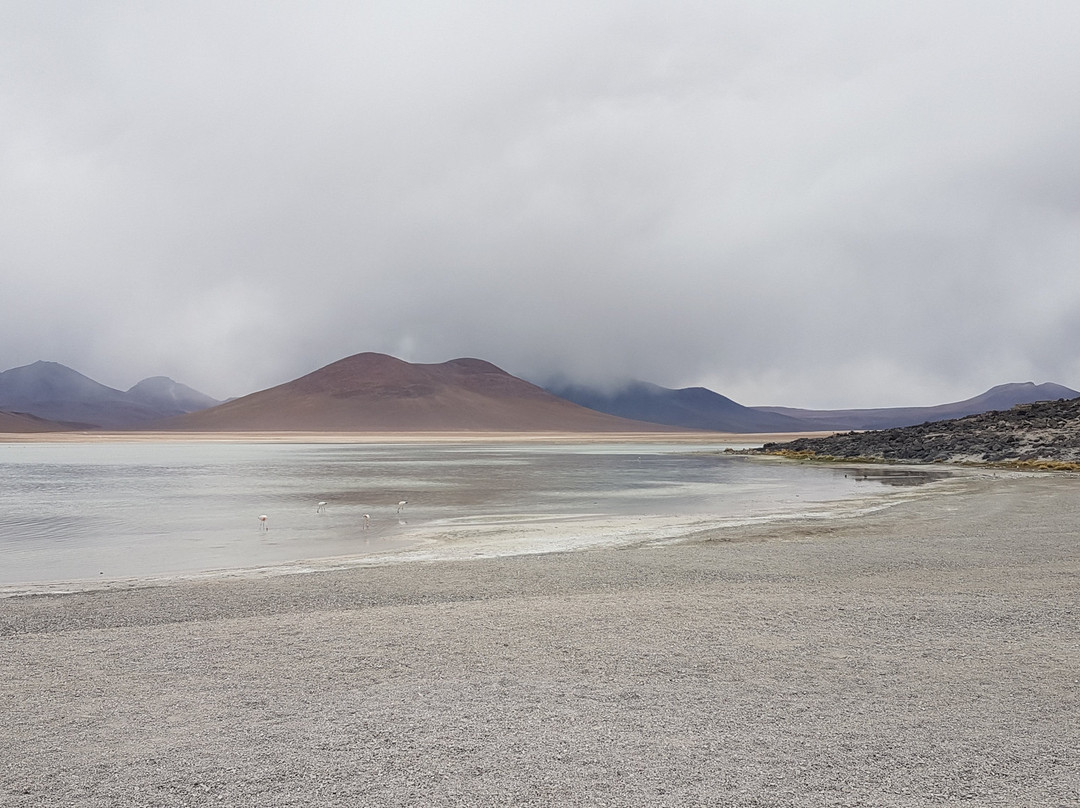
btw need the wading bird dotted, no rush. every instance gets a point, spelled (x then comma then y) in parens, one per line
(262, 521)
(367, 520)
(322, 507)
(402, 504)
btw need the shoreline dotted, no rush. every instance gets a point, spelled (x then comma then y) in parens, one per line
(441, 541)
(918, 655)
(402, 437)
(423, 548)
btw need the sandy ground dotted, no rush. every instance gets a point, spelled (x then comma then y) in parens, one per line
(924, 655)
(722, 438)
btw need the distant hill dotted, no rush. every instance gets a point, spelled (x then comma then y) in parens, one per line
(689, 407)
(170, 398)
(55, 392)
(375, 392)
(372, 392)
(1002, 397)
(22, 422)
(1045, 430)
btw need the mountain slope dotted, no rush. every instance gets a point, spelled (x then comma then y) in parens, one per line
(52, 391)
(55, 392)
(372, 392)
(170, 398)
(689, 407)
(1002, 397)
(24, 423)
(1045, 430)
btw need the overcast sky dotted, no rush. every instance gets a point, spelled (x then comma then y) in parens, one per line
(811, 204)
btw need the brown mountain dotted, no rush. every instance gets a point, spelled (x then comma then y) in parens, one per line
(25, 422)
(372, 392)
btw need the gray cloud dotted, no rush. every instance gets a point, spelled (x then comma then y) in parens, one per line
(845, 206)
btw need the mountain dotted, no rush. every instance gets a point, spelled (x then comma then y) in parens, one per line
(1002, 397)
(169, 397)
(1033, 433)
(375, 392)
(58, 393)
(55, 392)
(689, 407)
(372, 392)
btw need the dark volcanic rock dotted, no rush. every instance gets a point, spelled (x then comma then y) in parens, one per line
(1046, 430)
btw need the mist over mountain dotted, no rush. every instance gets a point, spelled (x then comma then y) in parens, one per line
(690, 408)
(169, 397)
(54, 392)
(372, 392)
(699, 408)
(377, 392)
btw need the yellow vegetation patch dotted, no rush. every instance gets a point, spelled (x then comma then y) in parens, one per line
(1044, 465)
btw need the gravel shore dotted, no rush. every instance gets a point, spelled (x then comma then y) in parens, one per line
(928, 654)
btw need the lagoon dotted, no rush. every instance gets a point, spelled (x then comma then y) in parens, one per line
(106, 511)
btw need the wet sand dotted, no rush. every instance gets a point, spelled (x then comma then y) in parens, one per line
(928, 654)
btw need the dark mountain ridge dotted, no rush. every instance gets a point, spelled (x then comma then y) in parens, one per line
(700, 408)
(689, 407)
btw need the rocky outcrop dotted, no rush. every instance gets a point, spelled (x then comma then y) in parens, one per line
(1043, 431)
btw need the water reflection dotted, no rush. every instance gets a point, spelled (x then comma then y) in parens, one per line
(79, 510)
(894, 476)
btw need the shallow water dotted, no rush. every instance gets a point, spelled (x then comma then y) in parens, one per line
(112, 510)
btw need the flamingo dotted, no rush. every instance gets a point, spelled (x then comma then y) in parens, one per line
(402, 504)
(367, 520)
(322, 507)
(262, 520)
